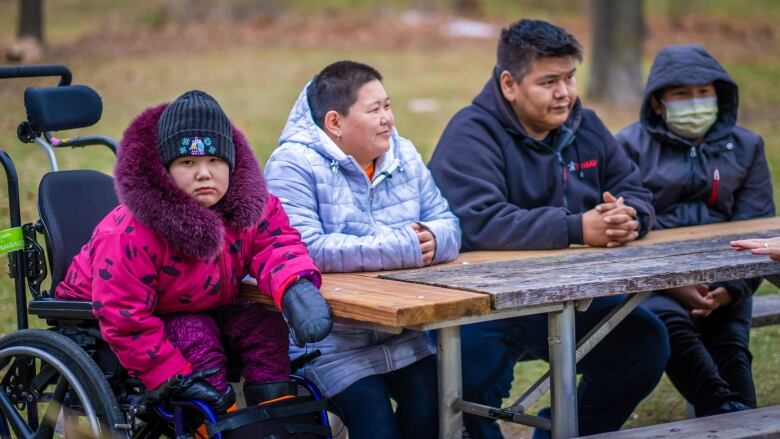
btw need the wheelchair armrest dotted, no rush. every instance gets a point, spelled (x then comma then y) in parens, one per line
(59, 309)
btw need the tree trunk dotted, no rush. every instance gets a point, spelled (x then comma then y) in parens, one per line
(468, 8)
(618, 35)
(31, 19)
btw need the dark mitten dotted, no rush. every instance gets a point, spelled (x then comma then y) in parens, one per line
(306, 312)
(194, 386)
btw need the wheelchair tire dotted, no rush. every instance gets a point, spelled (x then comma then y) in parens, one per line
(50, 385)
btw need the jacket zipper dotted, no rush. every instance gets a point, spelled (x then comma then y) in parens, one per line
(387, 174)
(369, 200)
(692, 153)
(369, 193)
(565, 176)
(223, 280)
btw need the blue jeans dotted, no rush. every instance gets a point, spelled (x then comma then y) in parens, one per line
(368, 414)
(616, 375)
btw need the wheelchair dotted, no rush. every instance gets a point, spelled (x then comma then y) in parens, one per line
(65, 381)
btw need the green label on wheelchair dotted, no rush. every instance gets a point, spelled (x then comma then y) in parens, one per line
(11, 240)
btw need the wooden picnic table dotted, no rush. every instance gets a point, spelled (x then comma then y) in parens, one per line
(484, 286)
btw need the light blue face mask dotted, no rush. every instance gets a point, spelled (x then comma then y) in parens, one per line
(691, 118)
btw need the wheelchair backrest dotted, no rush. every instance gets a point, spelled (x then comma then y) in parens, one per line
(71, 204)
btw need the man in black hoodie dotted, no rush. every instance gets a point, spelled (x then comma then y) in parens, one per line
(525, 166)
(702, 168)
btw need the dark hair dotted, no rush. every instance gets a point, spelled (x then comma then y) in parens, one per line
(336, 88)
(525, 41)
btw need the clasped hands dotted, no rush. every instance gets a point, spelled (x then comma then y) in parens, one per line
(700, 299)
(610, 224)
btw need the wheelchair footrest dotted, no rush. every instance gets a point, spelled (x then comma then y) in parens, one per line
(299, 416)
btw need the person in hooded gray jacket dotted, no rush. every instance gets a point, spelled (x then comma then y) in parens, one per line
(702, 168)
(363, 200)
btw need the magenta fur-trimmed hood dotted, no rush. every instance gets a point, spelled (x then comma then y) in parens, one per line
(148, 190)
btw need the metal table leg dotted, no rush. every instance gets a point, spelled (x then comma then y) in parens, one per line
(563, 364)
(584, 345)
(450, 383)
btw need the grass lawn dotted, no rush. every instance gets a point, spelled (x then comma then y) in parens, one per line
(257, 83)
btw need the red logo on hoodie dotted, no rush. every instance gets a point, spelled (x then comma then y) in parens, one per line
(583, 165)
(574, 167)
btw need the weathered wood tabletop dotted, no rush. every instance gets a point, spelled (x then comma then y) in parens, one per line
(375, 299)
(581, 275)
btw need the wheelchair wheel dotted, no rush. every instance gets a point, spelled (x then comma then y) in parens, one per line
(52, 388)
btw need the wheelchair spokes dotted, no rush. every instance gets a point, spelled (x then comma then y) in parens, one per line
(33, 389)
(51, 388)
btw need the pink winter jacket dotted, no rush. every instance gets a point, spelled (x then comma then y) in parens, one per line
(162, 252)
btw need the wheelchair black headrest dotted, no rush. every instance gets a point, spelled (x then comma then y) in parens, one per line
(62, 108)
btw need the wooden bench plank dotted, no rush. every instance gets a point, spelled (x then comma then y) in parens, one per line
(387, 302)
(579, 276)
(766, 310)
(759, 423)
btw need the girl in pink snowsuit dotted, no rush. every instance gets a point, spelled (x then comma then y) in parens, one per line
(163, 269)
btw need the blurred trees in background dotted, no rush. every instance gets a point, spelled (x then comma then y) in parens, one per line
(618, 34)
(618, 30)
(468, 8)
(28, 46)
(31, 19)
